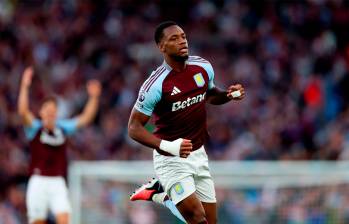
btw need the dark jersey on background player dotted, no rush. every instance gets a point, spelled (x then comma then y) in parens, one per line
(175, 94)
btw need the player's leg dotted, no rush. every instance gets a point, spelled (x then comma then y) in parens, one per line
(59, 201)
(192, 210)
(62, 218)
(206, 193)
(170, 205)
(211, 212)
(176, 175)
(153, 191)
(36, 200)
(183, 195)
(205, 190)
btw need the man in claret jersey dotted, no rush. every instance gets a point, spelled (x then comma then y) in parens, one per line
(176, 94)
(47, 137)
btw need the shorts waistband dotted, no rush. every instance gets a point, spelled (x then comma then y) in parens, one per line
(168, 154)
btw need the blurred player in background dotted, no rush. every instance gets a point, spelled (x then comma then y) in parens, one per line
(47, 188)
(176, 94)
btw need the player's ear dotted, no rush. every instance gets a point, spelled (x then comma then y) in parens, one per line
(161, 46)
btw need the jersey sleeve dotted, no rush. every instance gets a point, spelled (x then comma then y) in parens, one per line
(31, 130)
(205, 65)
(148, 98)
(209, 69)
(69, 126)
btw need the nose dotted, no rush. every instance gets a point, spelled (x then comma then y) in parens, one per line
(182, 41)
(183, 44)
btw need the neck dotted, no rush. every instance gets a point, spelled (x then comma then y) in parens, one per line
(177, 66)
(49, 126)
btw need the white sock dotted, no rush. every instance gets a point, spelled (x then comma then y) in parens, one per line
(159, 198)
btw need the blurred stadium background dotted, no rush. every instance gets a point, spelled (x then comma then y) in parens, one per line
(292, 57)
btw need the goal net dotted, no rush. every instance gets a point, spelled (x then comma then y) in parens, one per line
(247, 192)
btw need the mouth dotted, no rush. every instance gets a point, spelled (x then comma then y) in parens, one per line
(183, 50)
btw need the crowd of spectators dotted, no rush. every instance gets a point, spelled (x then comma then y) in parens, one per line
(291, 56)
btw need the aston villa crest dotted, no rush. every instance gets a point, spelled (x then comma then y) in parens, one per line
(199, 80)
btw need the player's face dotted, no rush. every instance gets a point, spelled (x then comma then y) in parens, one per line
(48, 113)
(174, 43)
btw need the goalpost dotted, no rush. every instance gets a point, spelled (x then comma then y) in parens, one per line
(247, 192)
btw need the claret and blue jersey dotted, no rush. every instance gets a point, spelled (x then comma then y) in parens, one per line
(48, 149)
(177, 100)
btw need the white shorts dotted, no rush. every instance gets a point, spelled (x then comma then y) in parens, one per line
(44, 194)
(182, 177)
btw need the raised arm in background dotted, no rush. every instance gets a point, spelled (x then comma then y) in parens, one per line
(23, 98)
(88, 114)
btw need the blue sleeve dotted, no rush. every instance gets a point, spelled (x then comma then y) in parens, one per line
(148, 98)
(30, 131)
(209, 69)
(69, 126)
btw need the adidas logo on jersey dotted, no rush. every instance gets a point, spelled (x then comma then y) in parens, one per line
(186, 103)
(175, 91)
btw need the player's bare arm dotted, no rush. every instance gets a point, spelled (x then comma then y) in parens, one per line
(217, 96)
(94, 91)
(23, 98)
(137, 131)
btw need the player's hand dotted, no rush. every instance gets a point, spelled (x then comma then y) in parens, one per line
(27, 77)
(232, 89)
(179, 147)
(186, 148)
(94, 88)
